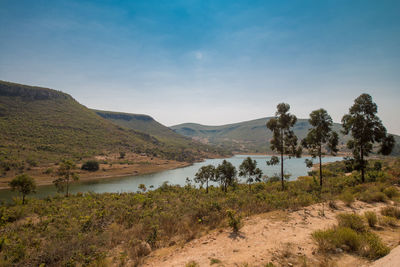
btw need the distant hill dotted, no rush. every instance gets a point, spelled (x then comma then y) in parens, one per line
(250, 136)
(146, 124)
(41, 125)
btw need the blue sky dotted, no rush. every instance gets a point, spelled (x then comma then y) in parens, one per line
(211, 62)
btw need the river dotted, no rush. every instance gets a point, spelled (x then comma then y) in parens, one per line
(295, 166)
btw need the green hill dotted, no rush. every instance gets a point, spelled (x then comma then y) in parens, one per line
(146, 124)
(40, 125)
(249, 136)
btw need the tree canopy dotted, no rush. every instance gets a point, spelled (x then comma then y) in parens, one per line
(24, 184)
(365, 128)
(204, 175)
(320, 136)
(249, 170)
(284, 140)
(225, 174)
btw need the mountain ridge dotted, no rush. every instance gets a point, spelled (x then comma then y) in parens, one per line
(252, 135)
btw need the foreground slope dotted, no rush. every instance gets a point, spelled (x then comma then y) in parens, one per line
(250, 136)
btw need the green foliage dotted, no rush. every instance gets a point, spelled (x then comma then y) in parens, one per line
(352, 221)
(365, 244)
(204, 175)
(248, 169)
(371, 217)
(347, 197)
(320, 136)
(192, 264)
(284, 140)
(65, 174)
(234, 220)
(391, 192)
(214, 261)
(366, 129)
(91, 165)
(225, 174)
(24, 184)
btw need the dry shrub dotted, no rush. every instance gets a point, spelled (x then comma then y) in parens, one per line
(371, 217)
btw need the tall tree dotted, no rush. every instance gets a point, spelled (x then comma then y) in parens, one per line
(249, 170)
(320, 136)
(24, 184)
(366, 129)
(225, 174)
(204, 175)
(65, 174)
(284, 141)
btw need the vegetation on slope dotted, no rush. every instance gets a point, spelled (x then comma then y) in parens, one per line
(253, 136)
(40, 125)
(146, 124)
(94, 229)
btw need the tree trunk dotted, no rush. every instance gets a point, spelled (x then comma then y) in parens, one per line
(283, 185)
(207, 187)
(67, 188)
(362, 165)
(320, 168)
(23, 199)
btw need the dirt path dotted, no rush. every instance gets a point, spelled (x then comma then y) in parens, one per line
(280, 237)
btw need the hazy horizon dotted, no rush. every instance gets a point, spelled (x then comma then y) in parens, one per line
(207, 62)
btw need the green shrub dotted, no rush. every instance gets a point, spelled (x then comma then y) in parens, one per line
(371, 218)
(352, 221)
(192, 264)
(214, 261)
(372, 247)
(234, 220)
(391, 212)
(347, 197)
(388, 221)
(91, 165)
(365, 244)
(372, 196)
(340, 237)
(391, 192)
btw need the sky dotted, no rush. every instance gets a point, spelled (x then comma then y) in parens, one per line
(210, 62)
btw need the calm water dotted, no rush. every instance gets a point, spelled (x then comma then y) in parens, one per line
(294, 166)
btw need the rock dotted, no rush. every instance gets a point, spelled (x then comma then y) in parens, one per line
(290, 264)
(145, 248)
(339, 250)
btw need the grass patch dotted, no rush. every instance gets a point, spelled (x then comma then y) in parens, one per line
(391, 212)
(214, 261)
(371, 218)
(352, 221)
(365, 244)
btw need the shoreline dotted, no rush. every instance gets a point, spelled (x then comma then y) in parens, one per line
(141, 167)
(125, 171)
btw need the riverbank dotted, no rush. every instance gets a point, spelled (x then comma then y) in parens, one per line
(110, 167)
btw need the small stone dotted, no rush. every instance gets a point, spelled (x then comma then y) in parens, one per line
(235, 250)
(339, 250)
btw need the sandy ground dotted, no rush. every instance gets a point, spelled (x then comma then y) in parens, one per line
(280, 237)
(116, 167)
(391, 260)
